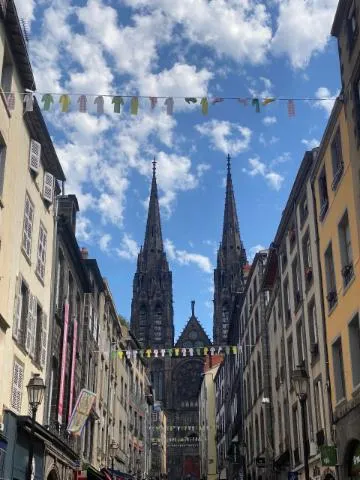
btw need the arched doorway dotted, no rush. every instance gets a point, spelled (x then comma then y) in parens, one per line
(53, 475)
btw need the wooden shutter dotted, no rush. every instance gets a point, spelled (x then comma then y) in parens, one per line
(34, 156)
(29, 324)
(34, 326)
(48, 187)
(17, 308)
(43, 345)
(17, 385)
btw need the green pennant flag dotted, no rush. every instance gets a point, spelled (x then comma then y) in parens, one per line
(255, 103)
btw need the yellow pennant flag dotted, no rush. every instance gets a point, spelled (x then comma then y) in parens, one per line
(121, 354)
(266, 101)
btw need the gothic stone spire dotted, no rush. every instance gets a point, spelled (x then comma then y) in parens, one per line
(231, 259)
(152, 308)
(153, 242)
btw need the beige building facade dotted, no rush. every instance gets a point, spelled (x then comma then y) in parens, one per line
(29, 170)
(207, 420)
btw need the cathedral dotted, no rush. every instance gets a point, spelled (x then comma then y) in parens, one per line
(176, 380)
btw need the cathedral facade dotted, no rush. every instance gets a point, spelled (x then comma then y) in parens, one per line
(176, 380)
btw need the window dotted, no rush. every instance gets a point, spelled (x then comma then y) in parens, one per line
(345, 249)
(295, 427)
(7, 72)
(254, 382)
(330, 278)
(313, 328)
(304, 210)
(41, 253)
(257, 324)
(323, 194)
(259, 372)
(280, 423)
(354, 338)
(296, 283)
(28, 226)
(336, 159)
(338, 370)
(290, 354)
(319, 405)
(17, 385)
(287, 303)
(2, 165)
(300, 343)
(307, 259)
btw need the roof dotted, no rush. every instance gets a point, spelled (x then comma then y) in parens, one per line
(18, 45)
(341, 11)
(193, 325)
(301, 177)
(93, 265)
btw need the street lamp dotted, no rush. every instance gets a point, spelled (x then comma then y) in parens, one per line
(35, 389)
(300, 381)
(112, 450)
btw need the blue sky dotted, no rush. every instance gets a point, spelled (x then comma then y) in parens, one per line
(195, 48)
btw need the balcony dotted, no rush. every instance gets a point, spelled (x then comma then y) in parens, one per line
(331, 297)
(347, 273)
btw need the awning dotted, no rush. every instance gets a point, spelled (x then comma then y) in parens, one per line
(116, 474)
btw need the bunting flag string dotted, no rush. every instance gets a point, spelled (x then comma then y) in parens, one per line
(179, 352)
(119, 102)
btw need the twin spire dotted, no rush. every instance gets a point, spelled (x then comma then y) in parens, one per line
(231, 243)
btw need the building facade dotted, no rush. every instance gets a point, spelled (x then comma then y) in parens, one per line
(295, 322)
(207, 419)
(340, 228)
(27, 227)
(336, 198)
(158, 442)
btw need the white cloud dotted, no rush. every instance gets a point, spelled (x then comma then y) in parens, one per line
(254, 250)
(327, 105)
(129, 249)
(310, 144)
(274, 180)
(283, 158)
(25, 10)
(227, 137)
(269, 121)
(83, 229)
(104, 242)
(272, 140)
(237, 29)
(261, 87)
(303, 29)
(182, 257)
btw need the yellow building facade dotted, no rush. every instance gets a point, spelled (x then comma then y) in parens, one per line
(335, 183)
(29, 169)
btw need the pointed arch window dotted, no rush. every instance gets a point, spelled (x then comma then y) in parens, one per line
(262, 432)
(254, 381)
(257, 436)
(259, 373)
(158, 323)
(142, 324)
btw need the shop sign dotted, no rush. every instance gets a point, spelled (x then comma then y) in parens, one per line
(328, 455)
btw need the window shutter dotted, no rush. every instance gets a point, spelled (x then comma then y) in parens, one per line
(17, 386)
(17, 308)
(48, 188)
(33, 328)
(43, 345)
(35, 155)
(29, 324)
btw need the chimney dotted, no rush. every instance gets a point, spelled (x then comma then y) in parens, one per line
(84, 253)
(68, 207)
